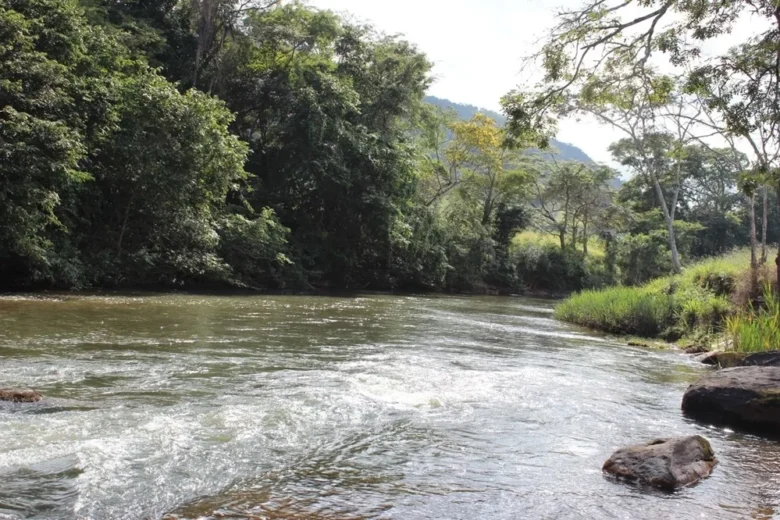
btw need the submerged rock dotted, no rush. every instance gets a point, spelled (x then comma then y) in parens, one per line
(664, 463)
(697, 349)
(742, 396)
(20, 395)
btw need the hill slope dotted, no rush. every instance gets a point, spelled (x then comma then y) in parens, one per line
(565, 151)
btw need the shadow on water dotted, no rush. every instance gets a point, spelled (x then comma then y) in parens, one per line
(43, 490)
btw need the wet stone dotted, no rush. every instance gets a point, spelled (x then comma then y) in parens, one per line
(20, 395)
(666, 464)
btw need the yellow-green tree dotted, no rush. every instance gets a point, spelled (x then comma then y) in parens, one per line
(489, 172)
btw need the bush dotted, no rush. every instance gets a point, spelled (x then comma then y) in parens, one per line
(550, 268)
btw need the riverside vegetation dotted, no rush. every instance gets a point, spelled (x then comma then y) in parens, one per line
(271, 145)
(604, 60)
(709, 299)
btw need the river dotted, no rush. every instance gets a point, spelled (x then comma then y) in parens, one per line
(294, 407)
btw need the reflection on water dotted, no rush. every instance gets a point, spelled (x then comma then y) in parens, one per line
(188, 407)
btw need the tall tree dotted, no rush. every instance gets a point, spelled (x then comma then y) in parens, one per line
(618, 39)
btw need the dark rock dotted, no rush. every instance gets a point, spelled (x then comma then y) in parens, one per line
(664, 463)
(697, 349)
(724, 359)
(762, 359)
(20, 395)
(741, 396)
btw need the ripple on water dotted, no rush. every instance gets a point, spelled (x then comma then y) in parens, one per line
(325, 408)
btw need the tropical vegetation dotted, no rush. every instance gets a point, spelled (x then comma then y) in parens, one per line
(270, 145)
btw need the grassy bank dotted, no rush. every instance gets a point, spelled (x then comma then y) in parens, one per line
(710, 298)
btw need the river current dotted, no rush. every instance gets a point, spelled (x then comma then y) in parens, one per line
(370, 407)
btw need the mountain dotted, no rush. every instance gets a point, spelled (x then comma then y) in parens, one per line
(565, 151)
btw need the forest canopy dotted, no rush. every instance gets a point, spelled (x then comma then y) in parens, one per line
(263, 145)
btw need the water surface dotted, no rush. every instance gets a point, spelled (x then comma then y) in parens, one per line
(284, 407)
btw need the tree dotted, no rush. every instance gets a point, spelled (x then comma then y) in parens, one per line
(41, 143)
(618, 39)
(567, 195)
(326, 108)
(111, 175)
(488, 171)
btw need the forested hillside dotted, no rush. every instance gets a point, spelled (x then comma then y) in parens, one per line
(253, 144)
(562, 151)
(190, 143)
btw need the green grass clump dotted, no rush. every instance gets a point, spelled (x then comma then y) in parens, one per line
(697, 301)
(756, 331)
(620, 310)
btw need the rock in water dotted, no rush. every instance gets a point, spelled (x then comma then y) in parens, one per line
(20, 395)
(724, 359)
(762, 359)
(742, 396)
(664, 463)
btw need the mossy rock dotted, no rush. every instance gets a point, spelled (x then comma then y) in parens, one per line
(666, 464)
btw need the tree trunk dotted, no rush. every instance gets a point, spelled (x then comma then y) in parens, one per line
(669, 226)
(207, 11)
(562, 236)
(574, 230)
(777, 259)
(753, 244)
(585, 237)
(764, 225)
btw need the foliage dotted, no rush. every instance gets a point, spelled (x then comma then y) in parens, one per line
(601, 58)
(547, 267)
(571, 198)
(273, 145)
(670, 307)
(756, 330)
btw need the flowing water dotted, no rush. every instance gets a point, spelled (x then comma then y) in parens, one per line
(284, 407)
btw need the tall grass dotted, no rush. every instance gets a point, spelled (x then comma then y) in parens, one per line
(620, 310)
(695, 301)
(756, 330)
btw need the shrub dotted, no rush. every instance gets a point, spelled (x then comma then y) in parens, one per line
(548, 267)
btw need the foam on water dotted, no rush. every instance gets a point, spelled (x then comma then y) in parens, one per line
(372, 407)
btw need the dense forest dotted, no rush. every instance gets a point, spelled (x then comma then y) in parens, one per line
(180, 143)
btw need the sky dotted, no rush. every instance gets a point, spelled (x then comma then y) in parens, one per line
(477, 47)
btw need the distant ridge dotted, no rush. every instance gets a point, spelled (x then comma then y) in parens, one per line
(565, 151)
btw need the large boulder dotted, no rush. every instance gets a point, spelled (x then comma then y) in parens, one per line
(723, 359)
(664, 463)
(762, 359)
(20, 395)
(742, 396)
